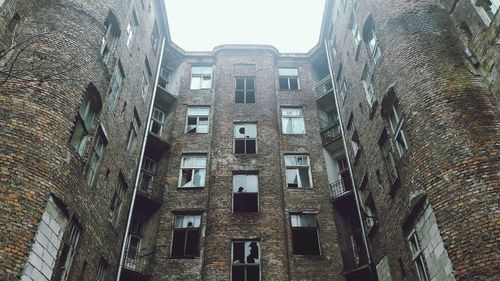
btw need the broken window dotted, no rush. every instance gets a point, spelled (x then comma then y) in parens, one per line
(110, 37)
(298, 174)
(132, 133)
(97, 154)
(366, 79)
(289, 78)
(245, 138)
(197, 119)
(68, 252)
(146, 74)
(102, 270)
(193, 168)
(245, 193)
(486, 9)
(418, 256)
(245, 262)
(132, 28)
(370, 38)
(157, 120)
(292, 120)
(245, 90)
(155, 37)
(84, 121)
(305, 236)
(186, 236)
(115, 84)
(118, 201)
(147, 173)
(201, 77)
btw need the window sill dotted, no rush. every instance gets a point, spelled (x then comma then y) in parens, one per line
(290, 134)
(190, 188)
(289, 90)
(299, 188)
(308, 257)
(183, 258)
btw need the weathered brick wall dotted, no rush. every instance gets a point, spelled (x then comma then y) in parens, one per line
(450, 118)
(38, 118)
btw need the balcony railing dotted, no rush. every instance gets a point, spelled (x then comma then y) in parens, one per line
(139, 264)
(324, 87)
(354, 255)
(340, 188)
(330, 134)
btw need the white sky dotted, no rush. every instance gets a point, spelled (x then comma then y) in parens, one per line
(288, 25)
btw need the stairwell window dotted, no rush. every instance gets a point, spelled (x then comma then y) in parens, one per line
(486, 9)
(110, 37)
(132, 28)
(157, 120)
(370, 38)
(147, 174)
(245, 138)
(118, 201)
(192, 172)
(298, 172)
(84, 120)
(185, 241)
(366, 79)
(97, 155)
(245, 90)
(245, 262)
(289, 78)
(197, 119)
(305, 237)
(201, 77)
(292, 120)
(245, 193)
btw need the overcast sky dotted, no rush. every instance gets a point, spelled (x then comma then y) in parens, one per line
(288, 25)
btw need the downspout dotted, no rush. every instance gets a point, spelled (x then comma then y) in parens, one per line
(365, 242)
(139, 165)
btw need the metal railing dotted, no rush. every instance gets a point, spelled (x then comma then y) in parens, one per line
(330, 134)
(324, 87)
(339, 188)
(139, 263)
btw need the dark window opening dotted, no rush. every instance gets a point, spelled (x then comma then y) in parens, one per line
(245, 261)
(305, 238)
(245, 90)
(186, 236)
(245, 202)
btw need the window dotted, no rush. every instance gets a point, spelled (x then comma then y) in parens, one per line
(305, 238)
(186, 236)
(133, 257)
(97, 154)
(157, 120)
(292, 120)
(396, 120)
(370, 213)
(132, 28)
(353, 27)
(155, 37)
(370, 39)
(201, 77)
(289, 78)
(245, 262)
(147, 173)
(486, 9)
(298, 174)
(110, 37)
(197, 119)
(68, 252)
(245, 90)
(102, 270)
(368, 86)
(418, 256)
(343, 90)
(245, 138)
(118, 201)
(245, 193)
(353, 133)
(44, 251)
(84, 121)
(193, 168)
(146, 74)
(387, 153)
(340, 74)
(132, 132)
(115, 84)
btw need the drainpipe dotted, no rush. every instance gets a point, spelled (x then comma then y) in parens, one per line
(139, 165)
(365, 242)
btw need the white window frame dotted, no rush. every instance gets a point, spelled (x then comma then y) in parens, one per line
(198, 128)
(246, 188)
(487, 17)
(193, 168)
(201, 77)
(396, 121)
(157, 119)
(148, 168)
(290, 118)
(418, 256)
(145, 81)
(118, 201)
(83, 125)
(245, 264)
(367, 81)
(196, 226)
(295, 168)
(95, 161)
(246, 136)
(132, 28)
(289, 77)
(115, 84)
(245, 90)
(109, 40)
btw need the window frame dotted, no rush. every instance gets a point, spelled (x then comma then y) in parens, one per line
(118, 201)
(186, 231)
(156, 120)
(201, 77)
(245, 139)
(195, 128)
(291, 117)
(397, 130)
(367, 82)
(132, 27)
(98, 150)
(245, 264)
(486, 17)
(102, 270)
(83, 123)
(316, 228)
(148, 168)
(115, 84)
(297, 168)
(288, 77)
(388, 155)
(418, 257)
(193, 171)
(155, 37)
(245, 174)
(245, 90)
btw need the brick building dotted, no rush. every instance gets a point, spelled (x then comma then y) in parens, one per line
(372, 156)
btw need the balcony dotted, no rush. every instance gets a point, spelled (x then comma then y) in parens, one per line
(354, 256)
(330, 134)
(324, 87)
(136, 267)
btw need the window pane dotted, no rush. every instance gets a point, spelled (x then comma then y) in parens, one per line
(192, 242)
(283, 83)
(252, 252)
(298, 125)
(245, 202)
(304, 177)
(292, 178)
(195, 82)
(200, 162)
(199, 177)
(238, 252)
(251, 147)
(288, 72)
(240, 83)
(178, 242)
(287, 125)
(250, 97)
(251, 183)
(294, 84)
(253, 273)
(187, 178)
(239, 97)
(291, 112)
(206, 82)
(238, 273)
(239, 146)
(251, 130)
(305, 241)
